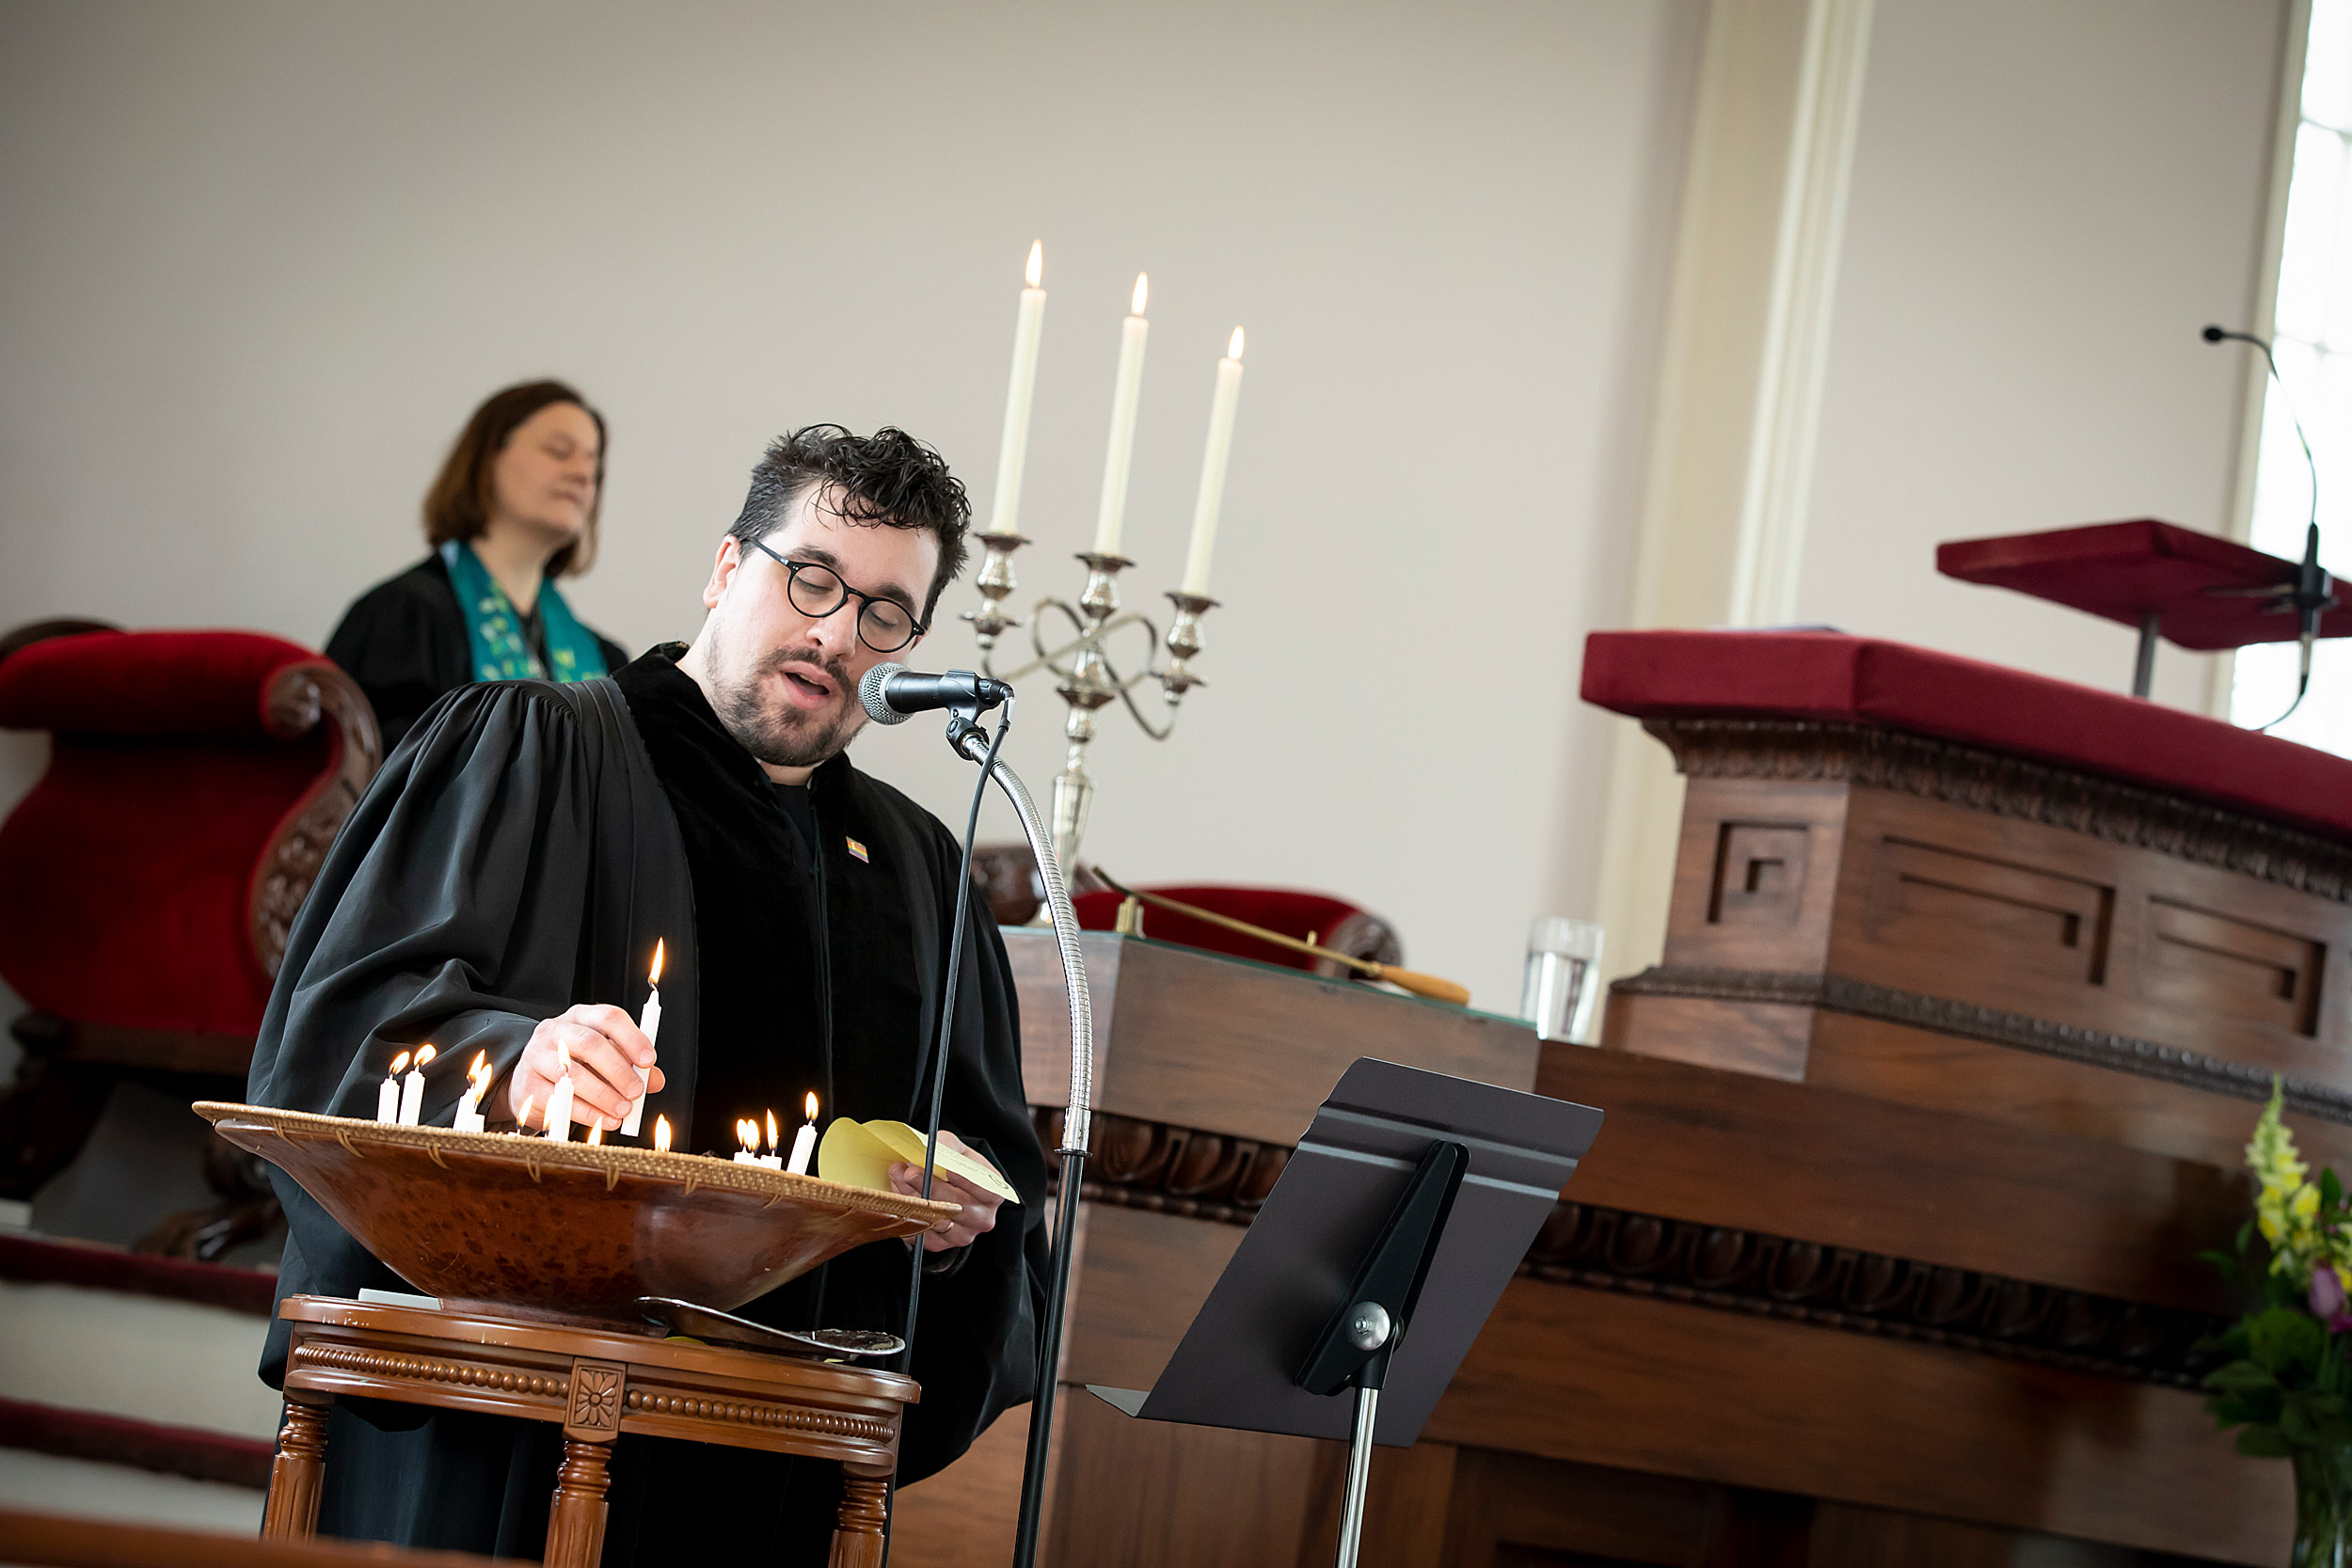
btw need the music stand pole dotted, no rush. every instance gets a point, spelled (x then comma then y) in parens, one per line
(1358, 1474)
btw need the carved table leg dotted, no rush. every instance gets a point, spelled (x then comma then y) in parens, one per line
(857, 1536)
(575, 1522)
(298, 1472)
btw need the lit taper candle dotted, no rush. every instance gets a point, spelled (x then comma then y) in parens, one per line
(1213, 461)
(804, 1141)
(388, 1094)
(651, 1025)
(412, 1088)
(1125, 392)
(1012, 453)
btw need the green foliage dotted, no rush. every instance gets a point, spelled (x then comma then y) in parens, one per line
(2285, 1379)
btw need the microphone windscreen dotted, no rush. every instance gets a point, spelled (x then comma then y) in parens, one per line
(2213, 334)
(869, 693)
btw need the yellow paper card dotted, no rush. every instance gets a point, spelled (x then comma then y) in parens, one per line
(860, 1154)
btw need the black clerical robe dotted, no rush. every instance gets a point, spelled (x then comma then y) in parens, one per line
(522, 852)
(403, 643)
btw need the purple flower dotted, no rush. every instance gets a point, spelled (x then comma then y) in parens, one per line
(2328, 1300)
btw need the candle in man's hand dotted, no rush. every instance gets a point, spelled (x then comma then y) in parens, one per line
(804, 1141)
(651, 1025)
(560, 1098)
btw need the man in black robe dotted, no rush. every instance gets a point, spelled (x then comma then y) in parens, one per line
(501, 889)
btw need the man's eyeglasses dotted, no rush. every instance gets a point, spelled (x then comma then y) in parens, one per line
(817, 591)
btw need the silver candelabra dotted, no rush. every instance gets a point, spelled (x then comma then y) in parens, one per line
(1082, 666)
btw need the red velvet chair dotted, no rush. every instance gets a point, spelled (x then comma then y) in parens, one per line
(194, 781)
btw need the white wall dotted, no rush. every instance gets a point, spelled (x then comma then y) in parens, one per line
(2049, 201)
(261, 259)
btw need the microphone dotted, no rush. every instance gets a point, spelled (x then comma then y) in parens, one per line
(891, 693)
(2312, 591)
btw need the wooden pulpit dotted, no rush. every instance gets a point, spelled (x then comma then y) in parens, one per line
(1973, 984)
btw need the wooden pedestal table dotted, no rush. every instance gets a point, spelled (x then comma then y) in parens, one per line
(596, 1384)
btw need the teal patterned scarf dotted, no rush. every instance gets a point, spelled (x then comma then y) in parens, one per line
(494, 632)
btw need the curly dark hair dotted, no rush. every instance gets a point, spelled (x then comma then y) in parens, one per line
(885, 480)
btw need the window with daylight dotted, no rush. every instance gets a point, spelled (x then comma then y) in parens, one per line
(2313, 342)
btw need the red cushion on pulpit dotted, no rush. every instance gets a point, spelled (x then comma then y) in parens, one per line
(1303, 915)
(129, 868)
(1830, 675)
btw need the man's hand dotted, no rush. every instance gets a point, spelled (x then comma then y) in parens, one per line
(979, 1212)
(609, 1053)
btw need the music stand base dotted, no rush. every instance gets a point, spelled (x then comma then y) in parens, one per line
(1358, 1474)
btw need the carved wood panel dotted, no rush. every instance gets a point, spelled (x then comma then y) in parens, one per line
(2212, 962)
(2013, 916)
(1760, 873)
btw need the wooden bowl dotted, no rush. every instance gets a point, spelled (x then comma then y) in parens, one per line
(568, 1229)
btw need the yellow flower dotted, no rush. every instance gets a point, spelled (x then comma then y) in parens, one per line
(2272, 1156)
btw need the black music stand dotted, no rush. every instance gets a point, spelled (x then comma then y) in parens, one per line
(1373, 1266)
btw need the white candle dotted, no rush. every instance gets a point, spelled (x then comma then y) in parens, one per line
(469, 1118)
(1211, 497)
(651, 1025)
(747, 1133)
(560, 1098)
(804, 1141)
(1121, 455)
(412, 1089)
(1012, 453)
(387, 1097)
(771, 1158)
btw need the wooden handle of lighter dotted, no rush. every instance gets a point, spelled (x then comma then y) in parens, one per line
(1425, 985)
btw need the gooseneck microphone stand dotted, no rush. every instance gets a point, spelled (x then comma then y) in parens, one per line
(970, 739)
(1075, 1126)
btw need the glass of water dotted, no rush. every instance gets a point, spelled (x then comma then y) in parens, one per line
(1562, 996)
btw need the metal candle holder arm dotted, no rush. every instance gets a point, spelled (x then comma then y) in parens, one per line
(1085, 675)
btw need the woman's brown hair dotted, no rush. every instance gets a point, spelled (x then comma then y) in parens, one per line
(459, 505)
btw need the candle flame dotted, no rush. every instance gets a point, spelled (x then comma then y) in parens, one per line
(480, 1072)
(596, 1132)
(424, 1055)
(771, 1132)
(398, 1062)
(531, 1104)
(1233, 349)
(563, 1057)
(747, 1133)
(812, 1104)
(661, 1135)
(1143, 289)
(655, 978)
(1037, 263)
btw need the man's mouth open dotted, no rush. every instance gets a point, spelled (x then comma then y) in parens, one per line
(806, 686)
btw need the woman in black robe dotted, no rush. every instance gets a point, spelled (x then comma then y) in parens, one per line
(514, 508)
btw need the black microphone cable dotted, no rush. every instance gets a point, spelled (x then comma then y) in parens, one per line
(948, 987)
(2313, 592)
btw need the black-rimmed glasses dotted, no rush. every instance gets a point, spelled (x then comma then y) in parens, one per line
(817, 591)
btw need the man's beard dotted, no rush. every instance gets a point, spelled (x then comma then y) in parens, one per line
(783, 736)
